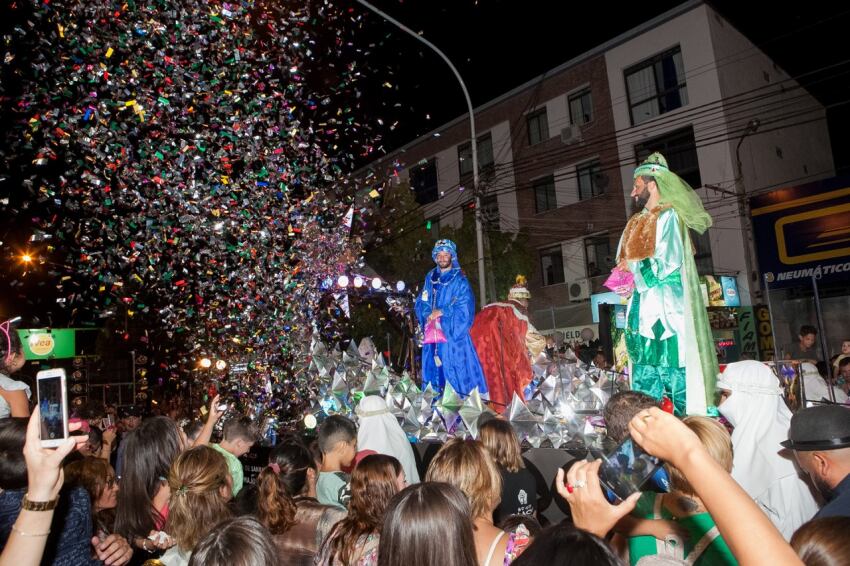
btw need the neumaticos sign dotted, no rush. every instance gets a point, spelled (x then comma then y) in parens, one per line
(804, 231)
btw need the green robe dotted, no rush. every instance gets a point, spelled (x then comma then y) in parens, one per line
(667, 334)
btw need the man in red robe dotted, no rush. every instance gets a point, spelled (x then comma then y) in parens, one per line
(506, 341)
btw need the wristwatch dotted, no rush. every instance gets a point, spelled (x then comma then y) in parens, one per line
(28, 505)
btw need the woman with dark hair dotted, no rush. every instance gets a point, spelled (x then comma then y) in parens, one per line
(823, 542)
(69, 540)
(566, 545)
(287, 506)
(142, 509)
(425, 524)
(354, 540)
(97, 477)
(236, 542)
(14, 395)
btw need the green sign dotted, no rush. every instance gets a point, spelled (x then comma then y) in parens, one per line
(44, 344)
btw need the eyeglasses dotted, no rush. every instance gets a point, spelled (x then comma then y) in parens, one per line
(111, 481)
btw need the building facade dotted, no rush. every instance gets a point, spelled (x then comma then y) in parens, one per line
(556, 154)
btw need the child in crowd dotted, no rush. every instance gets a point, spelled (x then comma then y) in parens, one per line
(338, 444)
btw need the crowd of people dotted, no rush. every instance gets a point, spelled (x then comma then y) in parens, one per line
(776, 490)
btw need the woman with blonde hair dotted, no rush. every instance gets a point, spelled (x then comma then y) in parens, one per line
(466, 465)
(200, 490)
(704, 545)
(519, 488)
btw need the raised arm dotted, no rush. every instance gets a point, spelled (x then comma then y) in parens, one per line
(746, 529)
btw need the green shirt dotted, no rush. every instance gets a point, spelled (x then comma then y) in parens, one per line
(717, 553)
(333, 488)
(235, 468)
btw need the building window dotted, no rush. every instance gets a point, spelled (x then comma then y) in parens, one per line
(544, 194)
(597, 255)
(656, 86)
(538, 127)
(581, 107)
(552, 265)
(590, 180)
(423, 181)
(485, 156)
(680, 150)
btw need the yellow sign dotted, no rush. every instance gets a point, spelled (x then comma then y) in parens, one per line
(41, 344)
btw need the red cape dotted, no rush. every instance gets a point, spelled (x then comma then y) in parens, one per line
(499, 338)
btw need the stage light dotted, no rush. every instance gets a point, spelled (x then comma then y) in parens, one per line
(377, 283)
(400, 286)
(310, 421)
(26, 258)
(220, 365)
(342, 281)
(358, 281)
(205, 363)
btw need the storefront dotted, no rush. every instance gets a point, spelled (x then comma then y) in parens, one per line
(802, 237)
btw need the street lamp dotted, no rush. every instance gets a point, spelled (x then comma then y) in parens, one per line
(479, 232)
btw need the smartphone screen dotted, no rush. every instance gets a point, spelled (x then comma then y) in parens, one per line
(53, 409)
(626, 469)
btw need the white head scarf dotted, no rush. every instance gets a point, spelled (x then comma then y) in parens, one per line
(379, 431)
(761, 420)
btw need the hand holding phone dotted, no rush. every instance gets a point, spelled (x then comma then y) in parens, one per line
(53, 407)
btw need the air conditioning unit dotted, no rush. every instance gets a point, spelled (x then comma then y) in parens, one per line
(579, 290)
(571, 134)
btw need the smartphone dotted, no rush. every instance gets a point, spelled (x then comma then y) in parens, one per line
(53, 406)
(626, 469)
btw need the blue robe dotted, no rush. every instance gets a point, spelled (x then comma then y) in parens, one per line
(451, 293)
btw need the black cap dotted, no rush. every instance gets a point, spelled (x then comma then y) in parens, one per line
(825, 427)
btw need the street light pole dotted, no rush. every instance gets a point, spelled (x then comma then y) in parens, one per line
(744, 211)
(479, 232)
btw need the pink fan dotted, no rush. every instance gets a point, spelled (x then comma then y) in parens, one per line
(621, 281)
(434, 332)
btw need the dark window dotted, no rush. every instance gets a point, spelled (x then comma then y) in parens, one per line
(598, 257)
(544, 194)
(591, 182)
(656, 86)
(680, 150)
(581, 107)
(552, 265)
(423, 181)
(485, 156)
(538, 127)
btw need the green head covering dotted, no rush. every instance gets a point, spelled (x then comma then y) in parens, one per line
(675, 192)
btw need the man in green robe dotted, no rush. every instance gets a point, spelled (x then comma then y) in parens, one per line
(668, 337)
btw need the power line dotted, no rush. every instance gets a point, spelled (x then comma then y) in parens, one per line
(684, 117)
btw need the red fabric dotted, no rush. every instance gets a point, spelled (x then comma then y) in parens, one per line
(502, 353)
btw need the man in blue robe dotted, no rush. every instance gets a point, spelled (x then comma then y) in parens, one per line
(447, 297)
